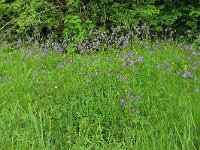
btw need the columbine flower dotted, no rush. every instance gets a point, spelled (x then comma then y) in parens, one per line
(187, 75)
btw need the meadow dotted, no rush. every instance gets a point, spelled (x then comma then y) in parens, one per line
(141, 96)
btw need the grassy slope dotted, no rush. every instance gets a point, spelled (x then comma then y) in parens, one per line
(68, 101)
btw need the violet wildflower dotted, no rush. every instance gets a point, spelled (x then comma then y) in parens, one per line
(137, 112)
(31, 40)
(35, 75)
(123, 79)
(91, 32)
(118, 71)
(167, 64)
(130, 54)
(160, 67)
(132, 109)
(125, 64)
(123, 56)
(194, 68)
(143, 26)
(196, 90)
(169, 69)
(125, 43)
(39, 69)
(148, 32)
(133, 99)
(43, 55)
(187, 75)
(123, 101)
(131, 63)
(136, 71)
(80, 72)
(60, 66)
(162, 79)
(87, 80)
(140, 59)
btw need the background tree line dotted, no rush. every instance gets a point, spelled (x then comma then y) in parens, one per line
(22, 18)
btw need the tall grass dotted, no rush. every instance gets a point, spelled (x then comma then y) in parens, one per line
(144, 96)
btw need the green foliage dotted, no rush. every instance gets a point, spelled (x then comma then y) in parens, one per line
(76, 17)
(74, 101)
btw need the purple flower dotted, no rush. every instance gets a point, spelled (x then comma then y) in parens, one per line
(137, 111)
(123, 56)
(160, 67)
(140, 59)
(136, 71)
(194, 68)
(123, 79)
(91, 31)
(132, 109)
(148, 32)
(169, 69)
(187, 75)
(131, 63)
(80, 72)
(118, 71)
(87, 80)
(43, 55)
(30, 40)
(133, 99)
(125, 43)
(39, 69)
(123, 101)
(124, 64)
(35, 75)
(196, 90)
(143, 26)
(129, 94)
(60, 66)
(130, 54)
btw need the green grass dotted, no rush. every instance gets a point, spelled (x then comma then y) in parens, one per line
(77, 105)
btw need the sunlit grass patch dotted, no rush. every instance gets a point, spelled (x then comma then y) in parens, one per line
(133, 98)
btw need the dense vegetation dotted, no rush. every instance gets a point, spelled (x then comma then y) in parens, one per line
(144, 96)
(22, 18)
(109, 74)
